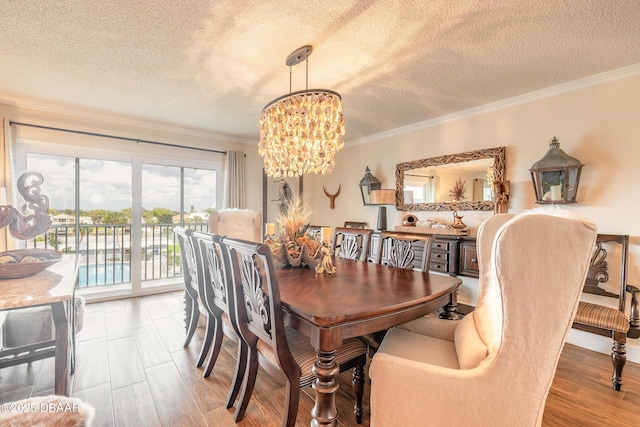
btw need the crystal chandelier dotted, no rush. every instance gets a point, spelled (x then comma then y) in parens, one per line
(301, 132)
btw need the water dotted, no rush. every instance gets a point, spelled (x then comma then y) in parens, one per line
(92, 275)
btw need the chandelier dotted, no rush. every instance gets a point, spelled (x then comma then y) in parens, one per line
(301, 132)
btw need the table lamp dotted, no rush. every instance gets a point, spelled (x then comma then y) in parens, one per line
(382, 198)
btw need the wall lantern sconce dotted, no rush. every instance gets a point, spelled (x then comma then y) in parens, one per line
(556, 176)
(382, 198)
(368, 183)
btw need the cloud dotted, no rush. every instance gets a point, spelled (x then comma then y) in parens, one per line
(107, 184)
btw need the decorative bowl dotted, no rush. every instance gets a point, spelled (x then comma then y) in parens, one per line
(26, 262)
(297, 259)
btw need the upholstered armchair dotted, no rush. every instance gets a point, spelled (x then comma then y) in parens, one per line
(237, 223)
(496, 365)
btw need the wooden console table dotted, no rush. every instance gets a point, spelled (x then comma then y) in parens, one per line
(54, 287)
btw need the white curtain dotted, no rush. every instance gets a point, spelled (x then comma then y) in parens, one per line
(235, 180)
(6, 178)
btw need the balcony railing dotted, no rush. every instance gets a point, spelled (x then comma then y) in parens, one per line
(105, 251)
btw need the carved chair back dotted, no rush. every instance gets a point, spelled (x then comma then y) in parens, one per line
(212, 276)
(405, 250)
(351, 243)
(187, 259)
(257, 303)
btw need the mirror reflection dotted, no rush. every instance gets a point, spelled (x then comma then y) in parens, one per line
(461, 181)
(469, 181)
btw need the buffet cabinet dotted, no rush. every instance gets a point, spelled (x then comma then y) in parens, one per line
(453, 255)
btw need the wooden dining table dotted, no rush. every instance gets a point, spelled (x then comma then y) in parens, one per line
(360, 298)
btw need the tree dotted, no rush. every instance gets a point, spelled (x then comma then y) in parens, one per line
(163, 215)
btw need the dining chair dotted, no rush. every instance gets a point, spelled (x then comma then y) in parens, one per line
(190, 277)
(400, 250)
(238, 223)
(500, 359)
(277, 348)
(610, 259)
(351, 243)
(405, 250)
(217, 296)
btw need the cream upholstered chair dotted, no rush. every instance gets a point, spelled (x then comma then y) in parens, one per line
(242, 224)
(496, 365)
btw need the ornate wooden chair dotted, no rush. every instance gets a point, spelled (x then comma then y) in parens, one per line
(405, 250)
(501, 358)
(279, 349)
(216, 293)
(352, 243)
(400, 250)
(600, 317)
(190, 277)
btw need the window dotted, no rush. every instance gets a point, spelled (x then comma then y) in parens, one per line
(116, 211)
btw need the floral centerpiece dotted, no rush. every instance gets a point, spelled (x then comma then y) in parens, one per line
(292, 244)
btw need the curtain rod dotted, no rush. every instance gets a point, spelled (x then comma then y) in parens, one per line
(124, 138)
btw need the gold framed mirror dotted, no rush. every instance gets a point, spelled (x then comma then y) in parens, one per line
(456, 182)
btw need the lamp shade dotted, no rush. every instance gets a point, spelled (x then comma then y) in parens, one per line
(556, 176)
(383, 197)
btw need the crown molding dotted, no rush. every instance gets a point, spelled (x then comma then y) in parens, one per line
(126, 121)
(594, 80)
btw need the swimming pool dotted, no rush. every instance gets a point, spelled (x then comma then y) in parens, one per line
(109, 274)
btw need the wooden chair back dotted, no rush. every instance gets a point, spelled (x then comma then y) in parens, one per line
(212, 276)
(187, 258)
(405, 250)
(258, 308)
(351, 243)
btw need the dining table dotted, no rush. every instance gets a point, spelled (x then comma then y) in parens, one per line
(359, 298)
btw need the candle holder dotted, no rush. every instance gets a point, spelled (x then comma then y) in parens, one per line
(325, 265)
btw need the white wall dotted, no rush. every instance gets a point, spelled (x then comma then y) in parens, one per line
(598, 124)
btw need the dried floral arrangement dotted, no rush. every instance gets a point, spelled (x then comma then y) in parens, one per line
(457, 192)
(292, 244)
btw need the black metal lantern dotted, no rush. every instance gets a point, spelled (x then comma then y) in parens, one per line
(556, 176)
(368, 183)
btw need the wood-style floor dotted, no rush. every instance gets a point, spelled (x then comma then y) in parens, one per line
(132, 368)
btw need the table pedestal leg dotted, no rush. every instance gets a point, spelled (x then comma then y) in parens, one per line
(451, 310)
(326, 370)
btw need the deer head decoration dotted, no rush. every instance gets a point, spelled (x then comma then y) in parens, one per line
(332, 197)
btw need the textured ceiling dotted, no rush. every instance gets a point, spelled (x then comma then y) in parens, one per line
(212, 65)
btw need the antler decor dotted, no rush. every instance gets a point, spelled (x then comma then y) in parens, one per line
(27, 227)
(332, 197)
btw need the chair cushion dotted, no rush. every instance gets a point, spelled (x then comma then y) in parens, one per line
(600, 316)
(471, 350)
(420, 348)
(305, 355)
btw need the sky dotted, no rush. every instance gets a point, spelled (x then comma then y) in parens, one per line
(106, 184)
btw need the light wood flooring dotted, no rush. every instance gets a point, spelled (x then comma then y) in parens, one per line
(132, 368)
